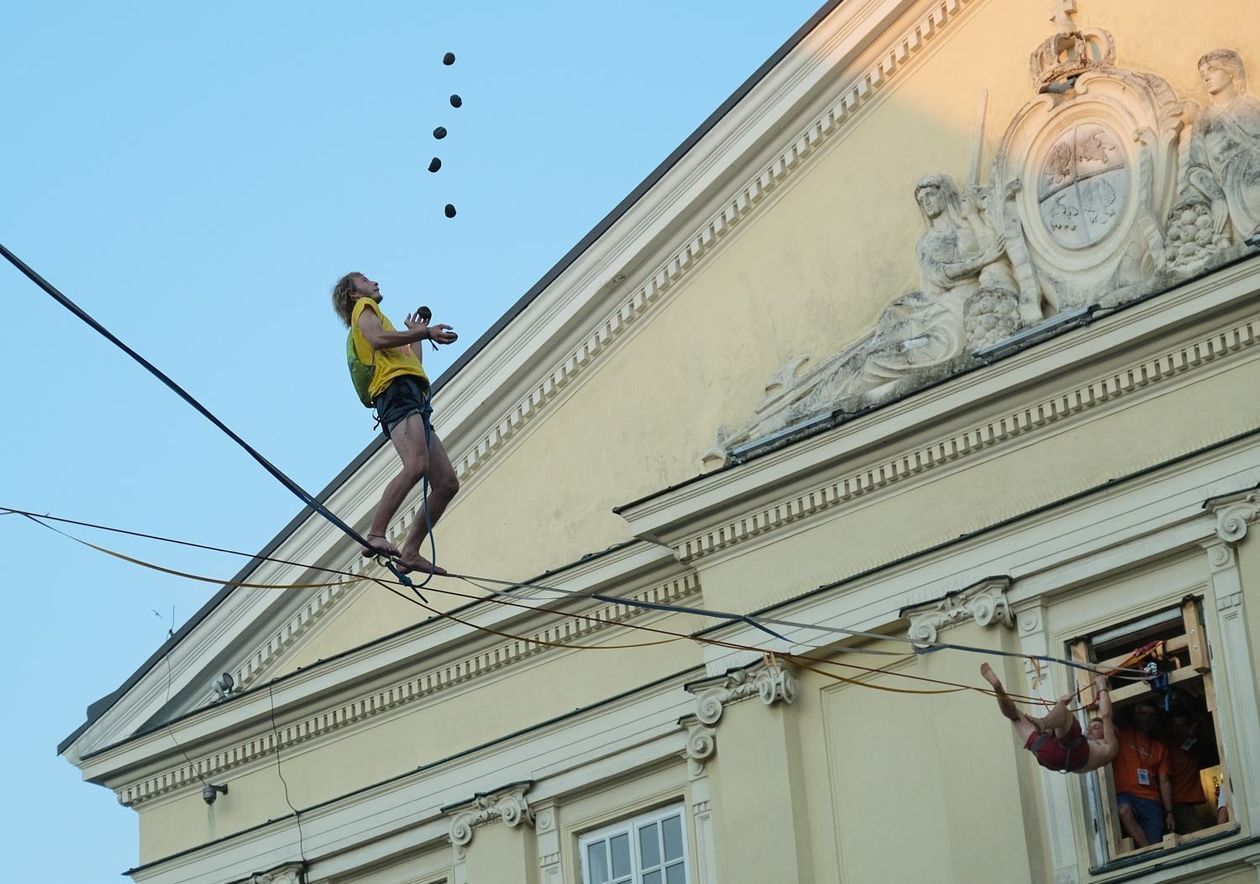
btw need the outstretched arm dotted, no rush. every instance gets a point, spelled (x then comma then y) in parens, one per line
(417, 330)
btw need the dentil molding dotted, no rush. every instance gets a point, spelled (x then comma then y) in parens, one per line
(418, 688)
(983, 603)
(1141, 378)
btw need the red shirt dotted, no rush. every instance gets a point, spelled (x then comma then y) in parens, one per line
(1139, 763)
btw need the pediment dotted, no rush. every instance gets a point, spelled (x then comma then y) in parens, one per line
(1107, 186)
(655, 250)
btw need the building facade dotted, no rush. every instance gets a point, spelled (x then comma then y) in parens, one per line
(942, 330)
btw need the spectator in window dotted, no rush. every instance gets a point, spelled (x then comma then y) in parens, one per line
(1056, 739)
(1183, 772)
(1143, 787)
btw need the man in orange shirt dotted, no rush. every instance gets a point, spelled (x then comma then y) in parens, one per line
(1183, 772)
(1143, 786)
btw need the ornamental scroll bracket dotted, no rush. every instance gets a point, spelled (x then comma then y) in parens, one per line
(290, 873)
(701, 744)
(983, 603)
(507, 804)
(771, 680)
(1234, 514)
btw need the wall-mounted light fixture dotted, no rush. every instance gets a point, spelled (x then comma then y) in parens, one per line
(210, 792)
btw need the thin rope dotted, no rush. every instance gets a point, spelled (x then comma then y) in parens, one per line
(804, 661)
(301, 493)
(499, 595)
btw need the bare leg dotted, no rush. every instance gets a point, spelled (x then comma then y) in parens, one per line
(1024, 726)
(443, 486)
(408, 439)
(1058, 719)
(1004, 702)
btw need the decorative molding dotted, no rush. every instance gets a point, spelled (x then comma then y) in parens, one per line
(287, 874)
(773, 681)
(507, 804)
(414, 689)
(1008, 428)
(1029, 622)
(701, 745)
(298, 625)
(1220, 556)
(1234, 514)
(984, 603)
(547, 829)
(739, 205)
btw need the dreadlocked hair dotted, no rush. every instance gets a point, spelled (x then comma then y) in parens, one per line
(343, 296)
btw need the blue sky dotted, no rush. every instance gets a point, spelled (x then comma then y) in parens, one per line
(196, 176)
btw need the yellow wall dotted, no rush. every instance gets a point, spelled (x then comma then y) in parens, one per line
(806, 274)
(388, 745)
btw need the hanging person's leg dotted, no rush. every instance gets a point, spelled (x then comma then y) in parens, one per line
(1022, 724)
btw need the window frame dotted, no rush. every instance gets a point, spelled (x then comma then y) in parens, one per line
(630, 827)
(1099, 786)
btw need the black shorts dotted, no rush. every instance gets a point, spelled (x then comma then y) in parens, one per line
(403, 397)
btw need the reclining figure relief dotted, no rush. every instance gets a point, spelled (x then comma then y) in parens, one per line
(976, 287)
(1106, 188)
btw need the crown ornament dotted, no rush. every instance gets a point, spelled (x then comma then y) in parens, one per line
(1070, 52)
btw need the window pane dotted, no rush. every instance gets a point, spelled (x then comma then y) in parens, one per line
(672, 827)
(597, 862)
(676, 874)
(649, 847)
(652, 878)
(619, 846)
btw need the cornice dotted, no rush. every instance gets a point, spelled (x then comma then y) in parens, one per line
(670, 517)
(741, 202)
(574, 300)
(387, 700)
(295, 627)
(1061, 548)
(350, 834)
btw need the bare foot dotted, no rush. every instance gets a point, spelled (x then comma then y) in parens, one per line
(379, 545)
(986, 671)
(416, 562)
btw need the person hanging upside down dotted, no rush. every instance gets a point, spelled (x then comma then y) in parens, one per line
(1056, 738)
(397, 390)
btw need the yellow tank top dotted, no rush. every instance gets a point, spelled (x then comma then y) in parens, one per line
(392, 363)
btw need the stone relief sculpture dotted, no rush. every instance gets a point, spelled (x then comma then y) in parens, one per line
(969, 296)
(1100, 193)
(1224, 161)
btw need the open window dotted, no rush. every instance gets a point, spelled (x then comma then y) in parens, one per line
(1168, 721)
